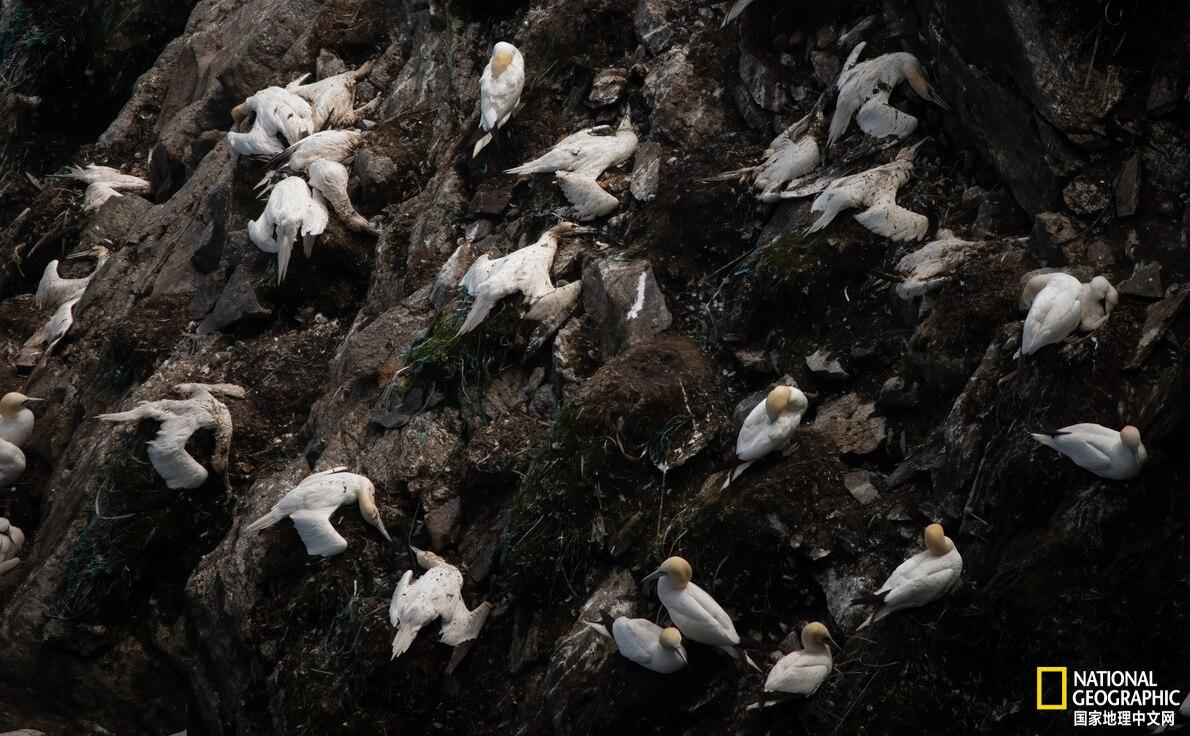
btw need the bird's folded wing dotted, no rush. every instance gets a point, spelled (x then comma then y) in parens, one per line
(889, 219)
(800, 677)
(711, 607)
(168, 452)
(398, 600)
(463, 625)
(853, 57)
(1092, 452)
(480, 271)
(737, 7)
(584, 193)
(880, 120)
(314, 527)
(919, 592)
(49, 288)
(633, 639)
(555, 302)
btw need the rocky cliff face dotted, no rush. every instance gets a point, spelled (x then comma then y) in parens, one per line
(559, 468)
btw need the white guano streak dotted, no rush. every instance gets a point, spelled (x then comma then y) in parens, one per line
(634, 312)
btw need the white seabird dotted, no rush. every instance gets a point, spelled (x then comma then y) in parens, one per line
(930, 267)
(53, 290)
(12, 463)
(1105, 452)
(921, 579)
(279, 115)
(436, 595)
(114, 178)
(790, 158)
(696, 614)
(311, 504)
(526, 270)
(1059, 304)
(292, 210)
(500, 88)
(60, 323)
(333, 145)
(181, 418)
(737, 7)
(644, 642)
(578, 160)
(96, 194)
(332, 98)
(11, 541)
(800, 673)
(16, 420)
(329, 178)
(865, 87)
(768, 427)
(876, 191)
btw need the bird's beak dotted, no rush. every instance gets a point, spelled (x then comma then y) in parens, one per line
(653, 576)
(383, 531)
(934, 98)
(833, 643)
(31, 398)
(682, 656)
(80, 256)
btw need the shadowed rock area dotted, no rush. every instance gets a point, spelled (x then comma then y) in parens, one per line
(559, 462)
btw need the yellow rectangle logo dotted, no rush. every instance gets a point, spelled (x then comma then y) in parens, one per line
(1041, 704)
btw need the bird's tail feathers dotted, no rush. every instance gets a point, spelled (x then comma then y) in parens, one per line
(479, 312)
(263, 522)
(120, 416)
(1044, 439)
(403, 640)
(481, 144)
(736, 472)
(604, 624)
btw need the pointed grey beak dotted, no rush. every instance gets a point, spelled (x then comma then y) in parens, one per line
(80, 256)
(383, 531)
(653, 576)
(934, 98)
(31, 398)
(682, 656)
(833, 643)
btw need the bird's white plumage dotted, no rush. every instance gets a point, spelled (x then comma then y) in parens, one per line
(799, 673)
(875, 189)
(864, 88)
(435, 596)
(500, 89)
(526, 270)
(697, 615)
(53, 290)
(96, 194)
(639, 641)
(792, 155)
(292, 210)
(11, 542)
(921, 579)
(329, 178)
(332, 145)
(332, 99)
(1096, 448)
(60, 323)
(113, 178)
(761, 435)
(312, 502)
(1054, 313)
(281, 118)
(928, 268)
(12, 463)
(16, 419)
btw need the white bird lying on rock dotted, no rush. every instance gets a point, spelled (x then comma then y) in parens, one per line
(292, 210)
(332, 98)
(281, 118)
(16, 420)
(114, 178)
(696, 614)
(60, 323)
(96, 194)
(768, 427)
(526, 270)
(311, 504)
(930, 267)
(644, 642)
(329, 178)
(500, 88)
(1105, 452)
(875, 190)
(53, 290)
(181, 418)
(921, 579)
(12, 463)
(800, 673)
(1059, 304)
(436, 595)
(11, 541)
(578, 160)
(333, 145)
(865, 87)
(789, 160)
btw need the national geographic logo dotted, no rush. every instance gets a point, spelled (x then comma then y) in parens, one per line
(1051, 680)
(1107, 697)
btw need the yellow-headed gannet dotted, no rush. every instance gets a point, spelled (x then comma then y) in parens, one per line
(281, 118)
(921, 579)
(180, 418)
(16, 420)
(865, 87)
(526, 270)
(875, 190)
(696, 614)
(1105, 452)
(436, 595)
(312, 502)
(1059, 304)
(114, 178)
(12, 463)
(333, 98)
(53, 290)
(800, 673)
(644, 642)
(768, 427)
(500, 88)
(292, 210)
(579, 159)
(11, 541)
(329, 178)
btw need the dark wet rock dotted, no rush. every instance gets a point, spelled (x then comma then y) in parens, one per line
(625, 301)
(1145, 281)
(826, 66)
(898, 393)
(826, 368)
(113, 220)
(851, 425)
(681, 109)
(1051, 232)
(1128, 187)
(607, 88)
(1159, 317)
(651, 27)
(646, 170)
(237, 302)
(766, 90)
(378, 179)
(859, 485)
(1086, 197)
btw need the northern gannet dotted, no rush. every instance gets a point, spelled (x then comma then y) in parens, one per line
(875, 190)
(865, 87)
(312, 502)
(644, 642)
(768, 427)
(53, 290)
(921, 579)
(800, 673)
(329, 178)
(526, 270)
(60, 323)
(1105, 452)
(96, 194)
(1059, 304)
(333, 98)
(11, 541)
(696, 614)
(500, 88)
(114, 178)
(181, 418)
(16, 420)
(281, 118)
(333, 145)
(789, 160)
(12, 462)
(579, 159)
(737, 7)
(436, 595)
(292, 210)
(929, 267)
